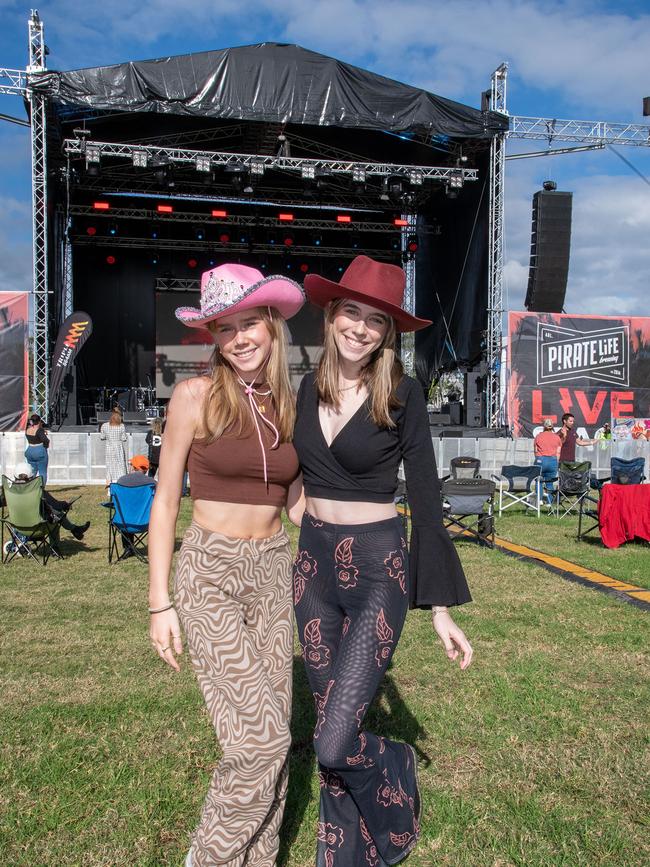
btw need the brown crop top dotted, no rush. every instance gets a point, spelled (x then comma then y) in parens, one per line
(230, 469)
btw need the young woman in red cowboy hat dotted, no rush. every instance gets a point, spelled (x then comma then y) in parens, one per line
(232, 589)
(358, 417)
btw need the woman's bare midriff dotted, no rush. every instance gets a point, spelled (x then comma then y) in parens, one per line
(339, 512)
(239, 520)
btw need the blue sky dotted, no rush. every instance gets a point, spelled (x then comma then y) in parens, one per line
(575, 59)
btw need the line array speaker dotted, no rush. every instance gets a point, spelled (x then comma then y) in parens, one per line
(550, 245)
(474, 395)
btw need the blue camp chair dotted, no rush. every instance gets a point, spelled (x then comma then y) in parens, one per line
(623, 472)
(129, 513)
(519, 484)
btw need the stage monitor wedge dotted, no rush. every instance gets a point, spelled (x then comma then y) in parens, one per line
(550, 246)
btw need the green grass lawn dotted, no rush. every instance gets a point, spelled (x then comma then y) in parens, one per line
(538, 755)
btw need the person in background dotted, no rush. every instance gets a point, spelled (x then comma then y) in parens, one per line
(136, 478)
(570, 438)
(52, 510)
(114, 432)
(38, 443)
(154, 440)
(547, 454)
(604, 435)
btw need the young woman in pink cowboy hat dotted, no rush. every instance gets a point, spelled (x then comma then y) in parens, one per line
(232, 589)
(358, 417)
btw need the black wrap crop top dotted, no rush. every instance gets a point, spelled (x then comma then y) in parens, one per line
(361, 465)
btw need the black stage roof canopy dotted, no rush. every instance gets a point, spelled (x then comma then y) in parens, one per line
(271, 83)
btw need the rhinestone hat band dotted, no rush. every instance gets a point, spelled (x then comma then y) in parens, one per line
(219, 293)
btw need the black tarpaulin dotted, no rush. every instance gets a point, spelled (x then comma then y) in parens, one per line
(272, 83)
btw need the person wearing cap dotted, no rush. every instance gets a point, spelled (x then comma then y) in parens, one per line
(139, 474)
(547, 445)
(357, 418)
(232, 587)
(38, 443)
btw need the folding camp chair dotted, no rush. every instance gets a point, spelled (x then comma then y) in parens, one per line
(572, 487)
(29, 534)
(468, 509)
(463, 468)
(519, 485)
(623, 472)
(128, 520)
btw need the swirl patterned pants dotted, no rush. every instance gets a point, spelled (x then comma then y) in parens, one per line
(234, 600)
(350, 597)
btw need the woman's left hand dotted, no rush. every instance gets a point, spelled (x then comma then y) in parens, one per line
(453, 638)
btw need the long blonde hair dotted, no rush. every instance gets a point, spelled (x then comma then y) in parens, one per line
(227, 411)
(380, 375)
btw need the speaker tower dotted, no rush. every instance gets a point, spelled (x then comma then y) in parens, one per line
(550, 245)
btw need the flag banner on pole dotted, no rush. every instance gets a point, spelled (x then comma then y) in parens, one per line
(73, 333)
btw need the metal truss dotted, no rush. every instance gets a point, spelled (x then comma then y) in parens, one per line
(407, 341)
(597, 131)
(13, 81)
(208, 249)
(249, 220)
(40, 306)
(257, 164)
(177, 284)
(493, 334)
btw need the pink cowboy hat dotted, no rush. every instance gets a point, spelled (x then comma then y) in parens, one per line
(231, 288)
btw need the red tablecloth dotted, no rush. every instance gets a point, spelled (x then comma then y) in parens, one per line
(624, 513)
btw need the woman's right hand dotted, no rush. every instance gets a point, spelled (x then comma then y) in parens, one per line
(165, 634)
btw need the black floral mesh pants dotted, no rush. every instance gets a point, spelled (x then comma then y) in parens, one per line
(351, 598)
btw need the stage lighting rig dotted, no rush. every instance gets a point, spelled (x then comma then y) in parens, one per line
(203, 163)
(308, 172)
(140, 159)
(257, 167)
(412, 244)
(113, 229)
(199, 232)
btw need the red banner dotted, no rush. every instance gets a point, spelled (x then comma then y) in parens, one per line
(596, 367)
(14, 381)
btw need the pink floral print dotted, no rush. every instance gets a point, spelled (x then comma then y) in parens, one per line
(315, 653)
(346, 572)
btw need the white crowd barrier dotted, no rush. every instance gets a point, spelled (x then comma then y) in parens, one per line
(78, 458)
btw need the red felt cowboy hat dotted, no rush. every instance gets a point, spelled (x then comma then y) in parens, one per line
(376, 283)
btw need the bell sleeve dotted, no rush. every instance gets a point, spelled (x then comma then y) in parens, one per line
(436, 575)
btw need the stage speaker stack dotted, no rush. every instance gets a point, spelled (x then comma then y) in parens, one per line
(550, 246)
(474, 396)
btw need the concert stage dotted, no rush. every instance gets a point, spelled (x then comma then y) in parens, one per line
(270, 155)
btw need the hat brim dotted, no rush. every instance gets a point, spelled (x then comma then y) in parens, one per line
(320, 291)
(282, 293)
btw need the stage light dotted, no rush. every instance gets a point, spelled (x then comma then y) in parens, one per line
(358, 175)
(192, 263)
(101, 206)
(111, 260)
(220, 214)
(160, 171)
(272, 238)
(399, 221)
(343, 218)
(93, 170)
(91, 230)
(248, 189)
(199, 233)
(317, 240)
(383, 195)
(224, 238)
(202, 164)
(415, 178)
(412, 244)
(304, 267)
(257, 167)
(285, 218)
(396, 243)
(140, 159)
(243, 237)
(93, 154)
(155, 257)
(165, 209)
(155, 231)
(549, 186)
(456, 180)
(340, 269)
(113, 229)
(288, 239)
(355, 240)
(308, 172)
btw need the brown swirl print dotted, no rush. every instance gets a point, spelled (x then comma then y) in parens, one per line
(234, 600)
